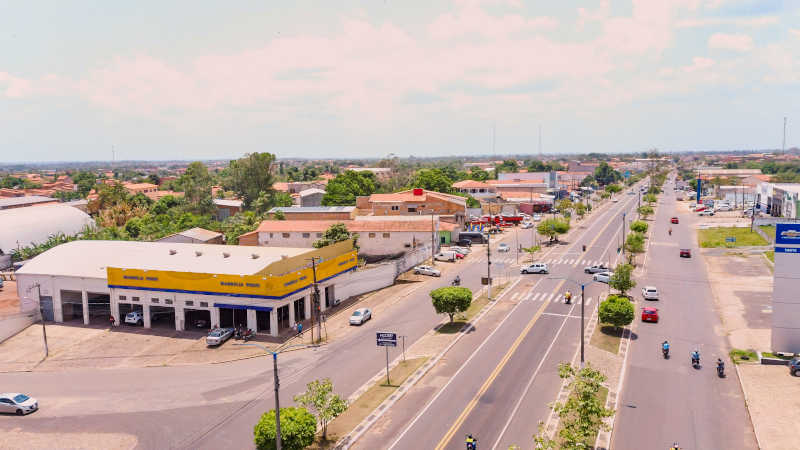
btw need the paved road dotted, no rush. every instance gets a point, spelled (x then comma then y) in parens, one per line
(664, 401)
(501, 382)
(216, 406)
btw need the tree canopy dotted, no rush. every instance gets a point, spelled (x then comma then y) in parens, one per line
(345, 187)
(617, 311)
(605, 174)
(320, 399)
(451, 300)
(196, 184)
(335, 233)
(249, 176)
(552, 228)
(298, 428)
(621, 279)
(432, 180)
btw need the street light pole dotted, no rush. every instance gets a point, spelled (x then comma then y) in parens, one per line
(41, 315)
(489, 265)
(316, 302)
(278, 402)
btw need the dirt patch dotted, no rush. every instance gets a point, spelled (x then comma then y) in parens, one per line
(773, 398)
(607, 337)
(16, 439)
(9, 301)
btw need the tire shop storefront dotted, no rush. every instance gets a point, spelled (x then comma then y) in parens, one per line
(185, 286)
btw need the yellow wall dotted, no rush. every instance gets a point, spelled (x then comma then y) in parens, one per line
(275, 281)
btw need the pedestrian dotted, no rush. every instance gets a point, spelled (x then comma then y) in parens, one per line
(112, 320)
(299, 328)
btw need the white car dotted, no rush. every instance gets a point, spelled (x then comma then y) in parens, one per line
(615, 199)
(16, 403)
(218, 335)
(537, 217)
(723, 207)
(360, 316)
(650, 293)
(596, 269)
(602, 277)
(135, 318)
(462, 250)
(706, 212)
(427, 270)
(526, 225)
(535, 268)
(503, 248)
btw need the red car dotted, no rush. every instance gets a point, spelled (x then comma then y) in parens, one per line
(674, 220)
(649, 314)
(686, 253)
(459, 256)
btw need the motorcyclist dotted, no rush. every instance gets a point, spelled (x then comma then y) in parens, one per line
(665, 347)
(720, 365)
(568, 297)
(471, 442)
(675, 446)
(457, 281)
(670, 231)
(696, 357)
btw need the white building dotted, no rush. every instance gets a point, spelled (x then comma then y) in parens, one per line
(22, 227)
(267, 289)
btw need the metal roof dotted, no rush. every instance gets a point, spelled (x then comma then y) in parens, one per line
(91, 258)
(25, 200)
(228, 202)
(312, 209)
(20, 227)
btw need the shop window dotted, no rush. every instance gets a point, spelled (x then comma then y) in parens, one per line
(285, 235)
(122, 297)
(167, 301)
(412, 209)
(306, 235)
(396, 208)
(204, 304)
(135, 299)
(372, 235)
(189, 303)
(154, 300)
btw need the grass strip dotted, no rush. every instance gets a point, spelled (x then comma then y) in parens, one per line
(770, 255)
(739, 356)
(715, 237)
(367, 402)
(769, 230)
(607, 337)
(475, 306)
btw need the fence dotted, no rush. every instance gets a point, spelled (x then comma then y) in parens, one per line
(14, 323)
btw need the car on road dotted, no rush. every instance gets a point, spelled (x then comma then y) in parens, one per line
(526, 225)
(596, 269)
(706, 212)
(462, 250)
(360, 316)
(602, 277)
(16, 403)
(674, 220)
(537, 217)
(135, 318)
(535, 268)
(631, 193)
(427, 270)
(649, 314)
(686, 253)
(650, 293)
(794, 366)
(218, 335)
(503, 248)
(615, 199)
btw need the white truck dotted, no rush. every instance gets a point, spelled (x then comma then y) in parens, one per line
(446, 255)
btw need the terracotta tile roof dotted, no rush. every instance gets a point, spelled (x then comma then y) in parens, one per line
(468, 184)
(358, 226)
(408, 196)
(281, 186)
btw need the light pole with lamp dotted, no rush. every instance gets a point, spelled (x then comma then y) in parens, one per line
(277, 387)
(583, 292)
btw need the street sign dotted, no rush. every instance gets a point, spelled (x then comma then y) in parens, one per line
(627, 174)
(730, 239)
(386, 339)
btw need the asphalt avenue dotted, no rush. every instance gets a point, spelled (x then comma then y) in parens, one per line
(667, 401)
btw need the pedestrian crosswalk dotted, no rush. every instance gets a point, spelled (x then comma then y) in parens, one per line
(550, 261)
(544, 297)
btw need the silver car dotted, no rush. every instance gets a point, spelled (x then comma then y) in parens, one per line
(427, 270)
(602, 277)
(16, 403)
(360, 316)
(218, 335)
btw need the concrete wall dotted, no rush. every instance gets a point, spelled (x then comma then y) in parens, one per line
(371, 244)
(11, 325)
(365, 280)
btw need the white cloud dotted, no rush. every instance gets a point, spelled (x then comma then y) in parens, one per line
(731, 21)
(736, 42)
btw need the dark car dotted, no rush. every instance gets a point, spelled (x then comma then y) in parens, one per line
(794, 366)
(686, 253)
(674, 220)
(465, 242)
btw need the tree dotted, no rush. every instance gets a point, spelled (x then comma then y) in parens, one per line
(343, 190)
(605, 174)
(85, 181)
(335, 233)
(645, 211)
(478, 174)
(565, 206)
(583, 413)
(616, 310)
(552, 228)
(267, 200)
(535, 165)
(298, 428)
(451, 300)
(639, 226)
(649, 198)
(248, 177)
(508, 165)
(613, 188)
(580, 209)
(532, 250)
(634, 244)
(196, 184)
(154, 179)
(589, 181)
(319, 398)
(621, 279)
(432, 180)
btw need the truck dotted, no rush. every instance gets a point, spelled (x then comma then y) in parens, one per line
(445, 255)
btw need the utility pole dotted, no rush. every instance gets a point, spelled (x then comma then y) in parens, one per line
(433, 244)
(41, 314)
(277, 396)
(489, 264)
(315, 302)
(582, 331)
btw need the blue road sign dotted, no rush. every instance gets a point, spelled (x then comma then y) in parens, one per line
(386, 339)
(787, 233)
(730, 239)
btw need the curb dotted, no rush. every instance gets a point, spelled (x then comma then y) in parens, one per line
(746, 404)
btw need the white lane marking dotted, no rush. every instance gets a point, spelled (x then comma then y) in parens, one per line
(550, 296)
(514, 297)
(536, 296)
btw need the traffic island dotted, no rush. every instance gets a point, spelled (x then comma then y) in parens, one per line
(607, 337)
(464, 318)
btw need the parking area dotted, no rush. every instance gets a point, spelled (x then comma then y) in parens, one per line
(773, 399)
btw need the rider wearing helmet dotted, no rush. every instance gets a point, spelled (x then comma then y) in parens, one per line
(470, 441)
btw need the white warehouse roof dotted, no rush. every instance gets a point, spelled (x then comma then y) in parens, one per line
(90, 258)
(19, 227)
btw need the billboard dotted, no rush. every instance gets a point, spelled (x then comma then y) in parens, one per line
(787, 234)
(786, 284)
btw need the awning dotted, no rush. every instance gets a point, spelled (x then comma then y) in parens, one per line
(232, 306)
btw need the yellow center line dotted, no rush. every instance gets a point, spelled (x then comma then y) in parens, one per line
(471, 405)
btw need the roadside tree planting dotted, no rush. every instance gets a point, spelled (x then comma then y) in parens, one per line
(451, 300)
(621, 279)
(552, 228)
(639, 226)
(649, 198)
(580, 209)
(320, 399)
(634, 244)
(617, 311)
(645, 211)
(613, 188)
(298, 428)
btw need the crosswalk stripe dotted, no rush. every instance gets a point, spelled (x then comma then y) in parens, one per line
(549, 296)
(556, 298)
(528, 297)
(536, 296)
(514, 297)
(589, 300)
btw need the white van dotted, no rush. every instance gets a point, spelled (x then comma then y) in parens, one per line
(447, 255)
(723, 207)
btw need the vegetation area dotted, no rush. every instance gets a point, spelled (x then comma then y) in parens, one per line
(770, 255)
(715, 237)
(451, 300)
(743, 356)
(769, 230)
(552, 228)
(607, 337)
(621, 280)
(616, 311)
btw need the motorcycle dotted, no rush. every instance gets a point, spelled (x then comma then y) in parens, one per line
(665, 351)
(247, 335)
(456, 282)
(567, 298)
(695, 361)
(472, 443)
(721, 370)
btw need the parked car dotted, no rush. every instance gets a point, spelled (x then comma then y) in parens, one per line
(526, 225)
(615, 199)
(503, 248)
(449, 256)
(723, 207)
(649, 314)
(218, 335)
(427, 270)
(537, 217)
(602, 277)
(535, 268)
(135, 318)
(706, 212)
(459, 255)
(686, 253)
(674, 220)
(650, 293)
(16, 403)
(360, 316)
(794, 366)
(467, 243)
(462, 250)
(596, 269)
(1, 283)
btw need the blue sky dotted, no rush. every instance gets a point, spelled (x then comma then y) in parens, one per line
(185, 80)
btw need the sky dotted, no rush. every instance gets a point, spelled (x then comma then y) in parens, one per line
(336, 79)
